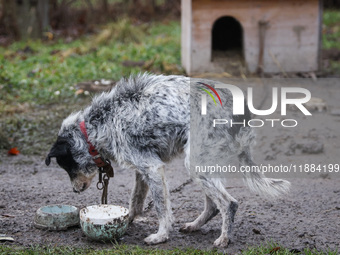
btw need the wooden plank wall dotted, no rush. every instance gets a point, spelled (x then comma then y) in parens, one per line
(291, 39)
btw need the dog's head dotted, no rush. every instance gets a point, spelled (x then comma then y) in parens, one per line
(71, 153)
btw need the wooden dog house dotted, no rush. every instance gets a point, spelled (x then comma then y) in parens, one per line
(270, 36)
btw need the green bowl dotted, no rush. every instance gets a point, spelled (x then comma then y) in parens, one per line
(104, 222)
(56, 217)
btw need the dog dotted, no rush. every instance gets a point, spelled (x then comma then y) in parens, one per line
(143, 123)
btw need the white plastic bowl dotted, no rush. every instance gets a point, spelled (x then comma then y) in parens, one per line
(104, 222)
(56, 217)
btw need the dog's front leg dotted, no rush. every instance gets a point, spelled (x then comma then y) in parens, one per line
(155, 179)
(138, 196)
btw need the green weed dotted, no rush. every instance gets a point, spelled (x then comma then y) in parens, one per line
(265, 249)
(331, 30)
(37, 72)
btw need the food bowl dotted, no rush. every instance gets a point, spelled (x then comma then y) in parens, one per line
(104, 222)
(56, 217)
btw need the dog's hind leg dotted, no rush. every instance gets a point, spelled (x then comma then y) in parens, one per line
(210, 211)
(138, 196)
(155, 179)
(226, 204)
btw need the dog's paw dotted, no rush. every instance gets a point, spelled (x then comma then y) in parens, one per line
(156, 238)
(131, 218)
(134, 213)
(140, 219)
(189, 227)
(222, 242)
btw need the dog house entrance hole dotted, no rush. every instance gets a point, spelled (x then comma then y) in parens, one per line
(227, 40)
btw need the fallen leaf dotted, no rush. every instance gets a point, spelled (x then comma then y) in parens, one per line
(69, 52)
(79, 91)
(103, 36)
(148, 64)
(49, 35)
(228, 75)
(7, 216)
(275, 249)
(256, 231)
(14, 151)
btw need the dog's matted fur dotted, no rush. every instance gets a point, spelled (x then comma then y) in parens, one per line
(143, 123)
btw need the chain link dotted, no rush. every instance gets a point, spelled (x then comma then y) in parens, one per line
(102, 184)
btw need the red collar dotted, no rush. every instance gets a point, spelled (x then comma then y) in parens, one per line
(96, 157)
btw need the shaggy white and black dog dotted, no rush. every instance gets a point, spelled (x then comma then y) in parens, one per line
(142, 124)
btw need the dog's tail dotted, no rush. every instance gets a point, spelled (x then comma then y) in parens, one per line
(258, 183)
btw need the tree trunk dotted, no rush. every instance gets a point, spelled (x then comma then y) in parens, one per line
(43, 11)
(105, 7)
(9, 18)
(150, 7)
(26, 18)
(131, 5)
(146, 7)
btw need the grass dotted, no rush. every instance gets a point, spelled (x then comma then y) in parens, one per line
(331, 29)
(38, 79)
(37, 72)
(33, 132)
(118, 249)
(331, 38)
(269, 248)
(276, 249)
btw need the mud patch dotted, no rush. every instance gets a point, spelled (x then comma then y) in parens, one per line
(308, 216)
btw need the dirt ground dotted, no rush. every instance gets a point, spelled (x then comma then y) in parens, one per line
(309, 216)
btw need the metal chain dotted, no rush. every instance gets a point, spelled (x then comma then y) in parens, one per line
(100, 184)
(106, 184)
(103, 184)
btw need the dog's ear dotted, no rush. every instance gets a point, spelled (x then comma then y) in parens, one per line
(60, 148)
(48, 160)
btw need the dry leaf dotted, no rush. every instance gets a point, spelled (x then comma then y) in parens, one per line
(7, 216)
(275, 249)
(14, 151)
(79, 91)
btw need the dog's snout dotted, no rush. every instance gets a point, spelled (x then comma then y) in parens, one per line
(84, 187)
(82, 182)
(76, 191)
